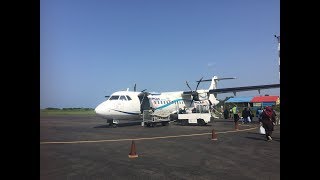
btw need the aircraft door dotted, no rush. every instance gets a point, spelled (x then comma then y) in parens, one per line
(144, 101)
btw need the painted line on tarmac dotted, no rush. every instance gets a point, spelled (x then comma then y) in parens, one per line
(244, 125)
(139, 139)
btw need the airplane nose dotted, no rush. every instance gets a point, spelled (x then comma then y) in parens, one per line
(98, 110)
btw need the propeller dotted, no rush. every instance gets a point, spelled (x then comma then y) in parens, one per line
(194, 94)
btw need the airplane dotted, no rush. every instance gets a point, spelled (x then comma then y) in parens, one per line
(129, 105)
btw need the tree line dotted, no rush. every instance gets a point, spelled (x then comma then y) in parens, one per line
(69, 109)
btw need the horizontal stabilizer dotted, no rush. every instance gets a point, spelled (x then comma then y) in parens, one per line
(243, 88)
(218, 79)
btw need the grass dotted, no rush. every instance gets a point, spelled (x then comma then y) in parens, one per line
(57, 112)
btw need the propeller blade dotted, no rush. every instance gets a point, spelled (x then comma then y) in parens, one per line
(191, 102)
(135, 87)
(188, 85)
(198, 83)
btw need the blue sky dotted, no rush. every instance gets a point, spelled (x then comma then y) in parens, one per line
(92, 48)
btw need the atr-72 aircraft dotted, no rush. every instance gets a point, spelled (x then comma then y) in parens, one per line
(129, 105)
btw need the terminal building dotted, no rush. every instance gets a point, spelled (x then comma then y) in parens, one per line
(244, 101)
(263, 101)
(253, 101)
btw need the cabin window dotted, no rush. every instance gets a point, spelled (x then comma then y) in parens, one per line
(114, 98)
(123, 98)
(128, 97)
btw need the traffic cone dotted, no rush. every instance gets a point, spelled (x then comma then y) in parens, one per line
(133, 153)
(236, 126)
(214, 135)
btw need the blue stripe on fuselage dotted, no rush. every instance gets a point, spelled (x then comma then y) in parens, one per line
(126, 112)
(166, 105)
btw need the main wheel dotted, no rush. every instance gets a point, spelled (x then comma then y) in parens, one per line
(164, 123)
(113, 125)
(184, 122)
(201, 122)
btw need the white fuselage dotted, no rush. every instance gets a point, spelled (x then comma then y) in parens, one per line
(129, 105)
(126, 105)
(168, 101)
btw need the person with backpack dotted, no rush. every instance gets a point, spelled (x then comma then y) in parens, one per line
(268, 120)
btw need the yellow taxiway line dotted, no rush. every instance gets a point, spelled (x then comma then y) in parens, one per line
(139, 139)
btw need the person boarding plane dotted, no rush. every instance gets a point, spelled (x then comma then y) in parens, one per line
(129, 105)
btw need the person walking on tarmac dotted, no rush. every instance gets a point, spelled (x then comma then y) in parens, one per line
(235, 112)
(226, 113)
(245, 115)
(268, 120)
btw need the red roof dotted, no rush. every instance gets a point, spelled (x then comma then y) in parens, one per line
(265, 99)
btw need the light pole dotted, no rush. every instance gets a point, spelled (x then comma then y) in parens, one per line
(278, 38)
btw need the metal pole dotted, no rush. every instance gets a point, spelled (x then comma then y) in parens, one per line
(278, 38)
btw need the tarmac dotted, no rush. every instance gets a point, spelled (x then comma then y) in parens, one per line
(84, 147)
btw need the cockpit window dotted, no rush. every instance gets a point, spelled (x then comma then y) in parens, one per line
(123, 98)
(114, 98)
(129, 98)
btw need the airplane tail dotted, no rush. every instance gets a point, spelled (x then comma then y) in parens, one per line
(213, 85)
(214, 81)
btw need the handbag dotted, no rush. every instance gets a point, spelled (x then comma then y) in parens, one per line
(262, 130)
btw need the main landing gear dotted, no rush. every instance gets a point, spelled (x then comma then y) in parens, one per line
(113, 123)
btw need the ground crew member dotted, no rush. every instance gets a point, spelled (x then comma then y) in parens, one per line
(235, 112)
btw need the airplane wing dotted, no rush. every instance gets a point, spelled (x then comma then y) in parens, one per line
(243, 88)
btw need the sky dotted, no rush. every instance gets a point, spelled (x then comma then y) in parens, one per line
(92, 48)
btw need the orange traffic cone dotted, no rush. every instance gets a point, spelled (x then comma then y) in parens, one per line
(214, 135)
(236, 125)
(133, 153)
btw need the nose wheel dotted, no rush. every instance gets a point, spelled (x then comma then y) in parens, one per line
(113, 125)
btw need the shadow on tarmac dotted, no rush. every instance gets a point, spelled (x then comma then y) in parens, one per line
(256, 138)
(254, 133)
(120, 125)
(262, 138)
(225, 120)
(177, 124)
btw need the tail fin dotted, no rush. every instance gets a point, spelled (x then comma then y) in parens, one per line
(214, 81)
